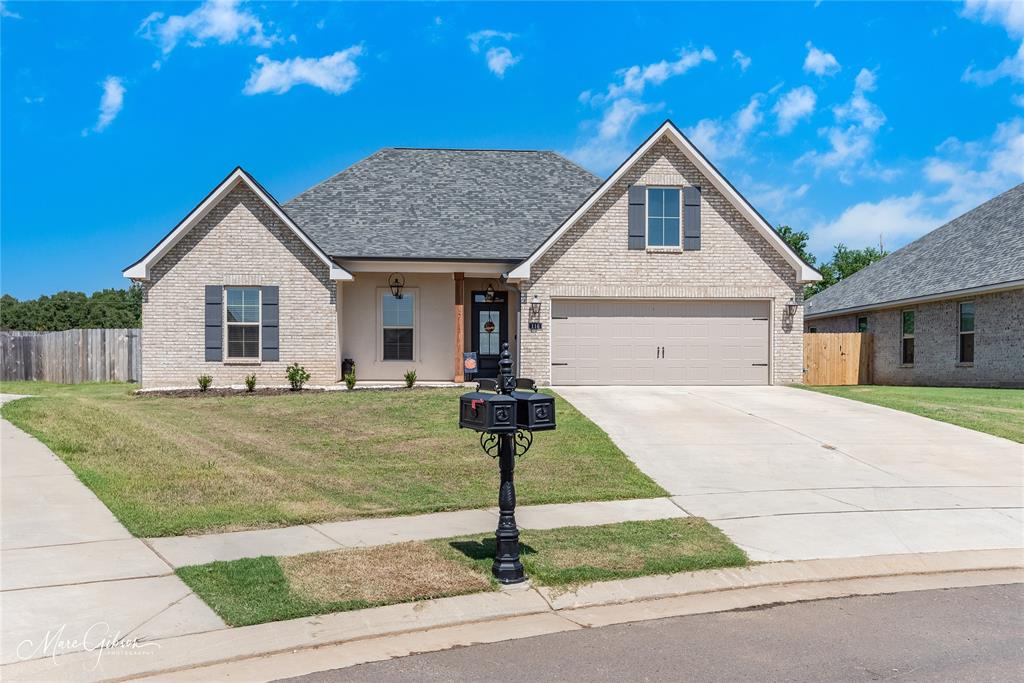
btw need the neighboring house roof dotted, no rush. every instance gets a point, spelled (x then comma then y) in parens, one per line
(981, 250)
(805, 272)
(140, 269)
(449, 204)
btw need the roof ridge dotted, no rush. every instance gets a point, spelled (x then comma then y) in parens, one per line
(467, 149)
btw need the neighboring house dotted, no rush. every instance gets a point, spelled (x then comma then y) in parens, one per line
(947, 309)
(661, 274)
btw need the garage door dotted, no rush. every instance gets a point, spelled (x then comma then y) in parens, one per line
(659, 342)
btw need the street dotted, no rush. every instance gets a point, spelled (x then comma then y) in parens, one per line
(974, 634)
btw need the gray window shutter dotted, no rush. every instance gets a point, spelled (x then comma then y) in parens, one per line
(214, 322)
(691, 218)
(269, 337)
(637, 216)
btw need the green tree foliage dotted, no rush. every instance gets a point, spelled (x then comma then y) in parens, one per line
(111, 308)
(845, 261)
(797, 241)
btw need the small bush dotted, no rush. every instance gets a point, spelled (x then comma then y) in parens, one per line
(410, 378)
(297, 376)
(350, 380)
(204, 382)
(250, 382)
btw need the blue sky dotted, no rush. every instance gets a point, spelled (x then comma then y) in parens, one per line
(847, 120)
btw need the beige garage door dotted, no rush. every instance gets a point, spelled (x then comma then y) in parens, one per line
(659, 342)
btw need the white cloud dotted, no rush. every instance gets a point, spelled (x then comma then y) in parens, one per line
(634, 79)
(819, 62)
(719, 139)
(958, 177)
(852, 138)
(335, 73)
(39, 99)
(742, 61)
(794, 105)
(1018, 100)
(220, 20)
(111, 103)
(7, 13)
(774, 197)
(1009, 15)
(499, 59)
(320, 24)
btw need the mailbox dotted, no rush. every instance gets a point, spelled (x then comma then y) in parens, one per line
(534, 411)
(487, 412)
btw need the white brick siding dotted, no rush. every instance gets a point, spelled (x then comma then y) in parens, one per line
(240, 242)
(734, 261)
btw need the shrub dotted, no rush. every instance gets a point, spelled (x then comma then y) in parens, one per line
(250, 382)
(410, 378)
(350, 380)
(297, 376)
(204, 382)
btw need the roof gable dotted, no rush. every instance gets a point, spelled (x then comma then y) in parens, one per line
(805, 273)
(140, 270)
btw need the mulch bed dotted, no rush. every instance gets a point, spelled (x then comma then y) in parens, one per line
(224, 391)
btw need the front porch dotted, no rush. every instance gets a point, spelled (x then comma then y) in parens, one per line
(446, 309)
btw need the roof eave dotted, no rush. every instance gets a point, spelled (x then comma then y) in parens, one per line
(925, 298)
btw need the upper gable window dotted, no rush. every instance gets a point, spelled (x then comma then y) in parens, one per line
(663, 216)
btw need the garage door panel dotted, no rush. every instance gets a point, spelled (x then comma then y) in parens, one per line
(618, 342)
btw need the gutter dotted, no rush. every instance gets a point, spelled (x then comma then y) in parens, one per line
(894, 303)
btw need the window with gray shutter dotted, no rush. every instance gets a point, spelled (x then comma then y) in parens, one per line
(270, 324)
(637, 217)
(691, 218)
(214, 322)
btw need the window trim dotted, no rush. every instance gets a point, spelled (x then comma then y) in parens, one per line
(647, 222)
(961, 333)
(243, 360)
(415, 292)
(904, 335)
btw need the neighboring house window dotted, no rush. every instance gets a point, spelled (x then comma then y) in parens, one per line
(907, 349)
(663, 216)
(397, 317)
(814, 329)
(967, 332)
(862, 324)
(243, 322)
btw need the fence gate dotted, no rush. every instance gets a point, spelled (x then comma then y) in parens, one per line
(832, 358)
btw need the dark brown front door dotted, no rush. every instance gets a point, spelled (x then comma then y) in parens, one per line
(489, 330)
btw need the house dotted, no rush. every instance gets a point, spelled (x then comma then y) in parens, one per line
(661, 274)
(947, 309)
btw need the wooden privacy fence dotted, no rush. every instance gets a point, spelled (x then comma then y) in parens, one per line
(72, 356)
(837, 358)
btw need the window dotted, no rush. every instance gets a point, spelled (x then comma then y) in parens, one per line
(862, 324)
(397, 322)
(907, 350)
(814, 329)
(663, 204)
(243, 322)
(967, 332)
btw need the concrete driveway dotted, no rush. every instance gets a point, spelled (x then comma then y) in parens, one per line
(790, 474)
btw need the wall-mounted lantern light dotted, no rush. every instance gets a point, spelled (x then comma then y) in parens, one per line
(535, 306)
(396, 281)
(489, 294)
(791, 308)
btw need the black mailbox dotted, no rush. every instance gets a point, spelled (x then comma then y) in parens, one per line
(487, 412)
(534, 411)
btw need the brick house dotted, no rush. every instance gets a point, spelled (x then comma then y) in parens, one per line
(945, 310)
(661, 274)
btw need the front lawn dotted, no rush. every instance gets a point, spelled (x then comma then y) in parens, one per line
(994, 411)
(172, 465)
(254, 591)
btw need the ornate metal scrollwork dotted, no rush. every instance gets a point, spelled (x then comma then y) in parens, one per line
(489, 442)
(524, 439)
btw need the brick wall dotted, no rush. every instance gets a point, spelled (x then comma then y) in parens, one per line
(592, 260)
(240, 242)
(998, 342)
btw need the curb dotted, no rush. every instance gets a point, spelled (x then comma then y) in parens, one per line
(298, 646)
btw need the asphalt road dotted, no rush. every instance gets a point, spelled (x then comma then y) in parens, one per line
(964, 634)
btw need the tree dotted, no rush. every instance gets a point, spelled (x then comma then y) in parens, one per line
(111, 308)
(845, 262)
(797, 241)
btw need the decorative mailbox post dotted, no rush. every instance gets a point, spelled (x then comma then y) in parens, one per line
(506, 412)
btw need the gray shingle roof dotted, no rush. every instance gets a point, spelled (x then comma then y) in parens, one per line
(443, 204)
(983, 247)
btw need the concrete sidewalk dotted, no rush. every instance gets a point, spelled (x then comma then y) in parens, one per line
(68, 568)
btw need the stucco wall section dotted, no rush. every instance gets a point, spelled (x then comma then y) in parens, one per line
(240, 242)
(998, 342)
(592, 260)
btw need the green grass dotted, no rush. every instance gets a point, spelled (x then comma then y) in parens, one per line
(995, 411)
(254, 591)
(171, 465)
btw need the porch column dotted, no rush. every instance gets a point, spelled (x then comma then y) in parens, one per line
(460, 324)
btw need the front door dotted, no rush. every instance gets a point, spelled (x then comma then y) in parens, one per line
(489, 330)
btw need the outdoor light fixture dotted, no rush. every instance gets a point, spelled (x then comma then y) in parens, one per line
(396, 281)
(535, 306)
(489, 294)
(791, 307)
